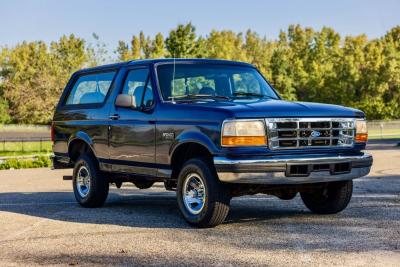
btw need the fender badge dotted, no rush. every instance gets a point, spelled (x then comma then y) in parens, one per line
(168, 136)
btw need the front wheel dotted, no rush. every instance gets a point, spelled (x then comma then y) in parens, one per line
(203, 200)
(330, 199)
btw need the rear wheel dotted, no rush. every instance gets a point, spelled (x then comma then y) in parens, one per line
(331, 199)
(89, 183)
(203, 200)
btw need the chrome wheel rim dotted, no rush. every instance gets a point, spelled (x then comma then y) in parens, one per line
(83, 181)
(193, 193)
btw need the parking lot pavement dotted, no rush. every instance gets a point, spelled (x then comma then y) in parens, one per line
(40, 224)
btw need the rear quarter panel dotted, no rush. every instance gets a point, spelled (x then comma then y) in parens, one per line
(89, 123)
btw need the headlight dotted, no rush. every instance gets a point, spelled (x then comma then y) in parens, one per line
(361, 131)
(243, 133)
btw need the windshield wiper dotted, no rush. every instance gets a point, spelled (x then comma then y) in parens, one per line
(247, 94)
(194, 96)
(251, 94)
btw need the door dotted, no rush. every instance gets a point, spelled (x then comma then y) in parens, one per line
(132, 131)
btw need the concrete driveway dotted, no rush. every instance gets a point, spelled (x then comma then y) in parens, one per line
(41, 224)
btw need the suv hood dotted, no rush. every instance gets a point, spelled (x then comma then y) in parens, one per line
(280, 108)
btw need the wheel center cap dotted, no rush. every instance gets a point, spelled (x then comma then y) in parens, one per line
(193, 193)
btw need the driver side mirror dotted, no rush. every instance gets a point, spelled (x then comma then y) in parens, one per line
(126, 101)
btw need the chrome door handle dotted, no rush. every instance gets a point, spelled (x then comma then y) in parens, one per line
(114, 117)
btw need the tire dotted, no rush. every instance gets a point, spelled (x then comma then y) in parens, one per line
(215, 196)
(331, 199)
(95, 193)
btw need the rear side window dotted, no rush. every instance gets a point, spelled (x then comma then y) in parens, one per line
(91, 88)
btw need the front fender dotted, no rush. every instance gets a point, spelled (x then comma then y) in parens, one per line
(193, 137)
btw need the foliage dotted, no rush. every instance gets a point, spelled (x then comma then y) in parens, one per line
(181, 42)
(34, 75)
(302, 64)
(39, 162)
(98, 52)
(4, 111)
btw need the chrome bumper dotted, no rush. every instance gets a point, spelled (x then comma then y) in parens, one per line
(278, 169)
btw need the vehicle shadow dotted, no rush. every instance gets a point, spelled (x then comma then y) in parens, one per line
(135, 210)
(144, 209)
(138, 205)
(279, 224)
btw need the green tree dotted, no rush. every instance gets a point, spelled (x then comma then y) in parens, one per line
(225, 45)
(123, 52)
(136, 48)
(158, 46)
(98, 52)
(281, 69)
(4, 111)
(303, 64)
(319, 81)
(145, 44)
(181, 42)
(34, 75)
(258, 51)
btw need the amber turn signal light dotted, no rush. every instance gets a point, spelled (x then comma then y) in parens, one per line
(243, 141)
(361, 131)
(361, 137)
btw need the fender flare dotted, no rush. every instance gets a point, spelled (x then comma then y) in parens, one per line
(81, 136)
(196, 137)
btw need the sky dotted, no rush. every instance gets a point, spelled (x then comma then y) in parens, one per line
(116, 20)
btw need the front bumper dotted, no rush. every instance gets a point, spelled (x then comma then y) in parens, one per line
(293, 169)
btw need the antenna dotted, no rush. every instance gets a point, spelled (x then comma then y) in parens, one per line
(173, 81)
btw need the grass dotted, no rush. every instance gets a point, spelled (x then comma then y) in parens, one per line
(24, 148)
(378, 137)
(386, 133)
(39, 162)
(25, 153)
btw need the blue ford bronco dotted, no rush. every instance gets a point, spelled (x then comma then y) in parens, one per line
(209, 130)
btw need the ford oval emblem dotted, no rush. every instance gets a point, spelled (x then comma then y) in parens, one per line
(315, 134)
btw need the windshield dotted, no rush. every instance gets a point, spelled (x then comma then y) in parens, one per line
(212, 81)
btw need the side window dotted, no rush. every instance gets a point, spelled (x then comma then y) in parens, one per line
(138, 83)
(90, 89)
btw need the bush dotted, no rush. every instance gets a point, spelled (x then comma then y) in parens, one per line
(39, 162)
